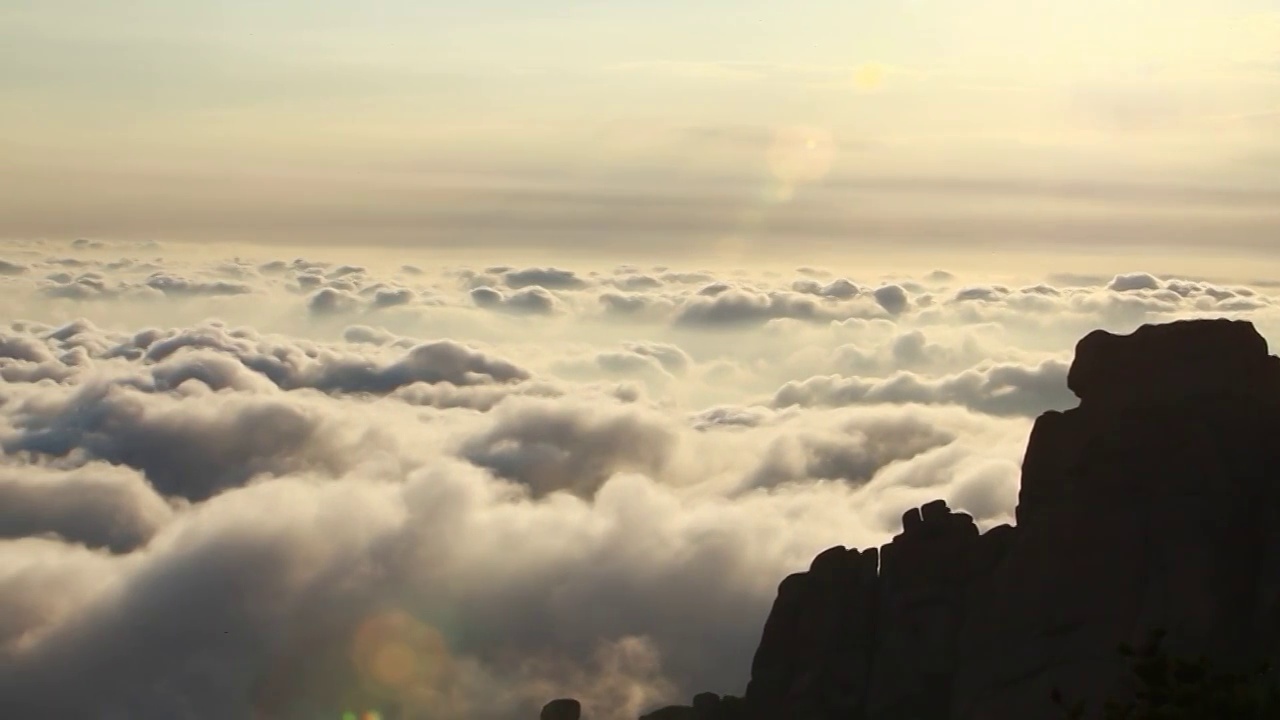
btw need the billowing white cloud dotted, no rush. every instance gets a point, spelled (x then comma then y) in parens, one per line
(533, 300)
(998, 390)
(342, 487)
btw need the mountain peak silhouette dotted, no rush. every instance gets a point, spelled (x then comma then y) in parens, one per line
(1155, 504)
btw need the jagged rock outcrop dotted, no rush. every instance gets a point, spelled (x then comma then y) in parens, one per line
(875, 633)
(1154, 504)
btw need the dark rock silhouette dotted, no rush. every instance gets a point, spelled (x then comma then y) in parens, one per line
(1154, 504)
(706, 706)
(673, 712)
(563, 709)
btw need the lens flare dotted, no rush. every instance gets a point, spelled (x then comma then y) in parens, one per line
(801, 155)
(405, 661)
(393, 665)
(393, 651)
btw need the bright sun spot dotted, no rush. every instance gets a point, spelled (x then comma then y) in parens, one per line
(869, 76)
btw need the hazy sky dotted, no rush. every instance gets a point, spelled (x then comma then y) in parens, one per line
(628, 128)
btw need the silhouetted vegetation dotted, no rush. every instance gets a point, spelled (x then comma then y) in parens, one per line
(1174, 688)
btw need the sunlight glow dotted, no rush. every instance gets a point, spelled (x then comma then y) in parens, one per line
(869, 77)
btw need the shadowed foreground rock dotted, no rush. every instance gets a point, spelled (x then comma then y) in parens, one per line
(1154, 504)
(564, 709)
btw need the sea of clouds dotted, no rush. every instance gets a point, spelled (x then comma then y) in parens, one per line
(287, 488)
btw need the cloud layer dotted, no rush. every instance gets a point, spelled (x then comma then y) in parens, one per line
(280, 488)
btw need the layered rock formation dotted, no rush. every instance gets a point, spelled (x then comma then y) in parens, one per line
(1155, 503)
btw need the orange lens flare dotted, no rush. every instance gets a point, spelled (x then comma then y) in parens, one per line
(404, 661)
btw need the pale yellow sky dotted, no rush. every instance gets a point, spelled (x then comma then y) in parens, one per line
(665, 126)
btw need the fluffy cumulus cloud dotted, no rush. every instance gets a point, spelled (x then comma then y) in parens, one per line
(995, 389)
(290, 488)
